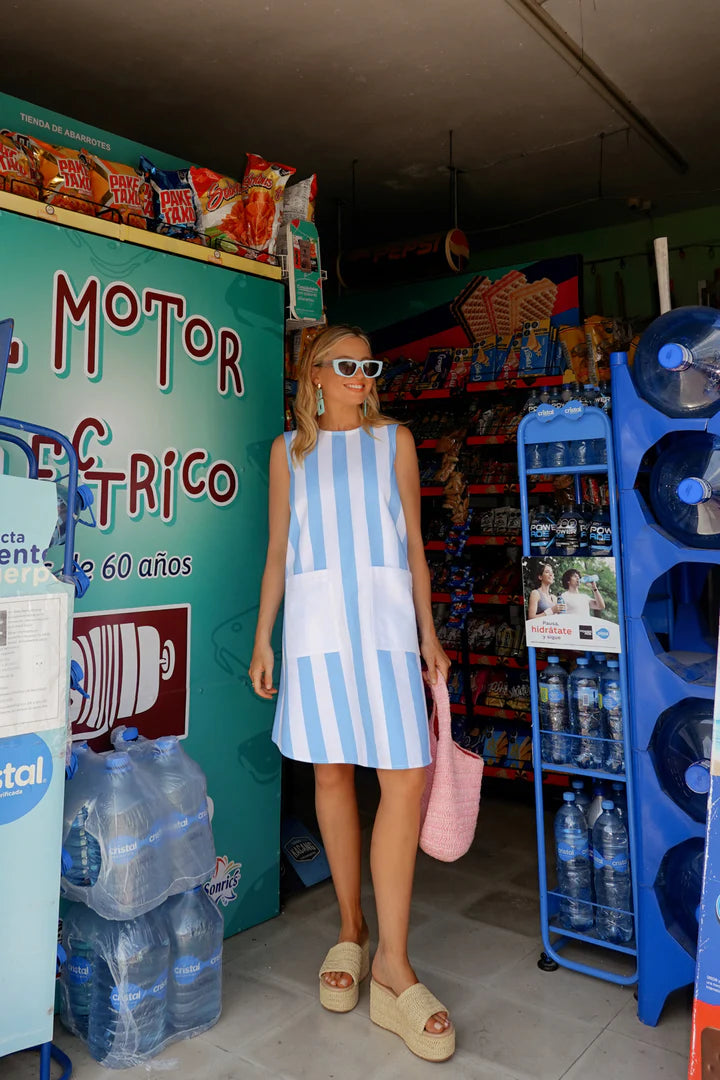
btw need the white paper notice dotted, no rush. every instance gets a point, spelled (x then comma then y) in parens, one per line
(33, 663)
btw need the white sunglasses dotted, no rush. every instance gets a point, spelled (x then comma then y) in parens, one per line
(347, 368)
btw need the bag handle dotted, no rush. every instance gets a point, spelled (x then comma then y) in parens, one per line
(441, 702)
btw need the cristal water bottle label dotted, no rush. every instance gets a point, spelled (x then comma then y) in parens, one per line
(555, 695)
(610, 700)
(127, 996)
(573, 845)
(215, 959)
(123, 849)
(159, 989)
(80, 970)
(618, 862)
(186, 969)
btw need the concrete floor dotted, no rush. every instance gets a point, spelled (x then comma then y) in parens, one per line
(474, 940)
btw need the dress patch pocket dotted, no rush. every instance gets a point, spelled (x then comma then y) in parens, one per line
(310, 623)
(393, 611)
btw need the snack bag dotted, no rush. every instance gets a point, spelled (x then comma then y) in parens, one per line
(534, 346)
(64, 175)
(298, 205)
(575, 351)
(121, 193)
(263, 188)
(482, 368)
(174, 211)
(17, 173)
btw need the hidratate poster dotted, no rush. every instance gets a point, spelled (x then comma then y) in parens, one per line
(166, 374)
(571, 603)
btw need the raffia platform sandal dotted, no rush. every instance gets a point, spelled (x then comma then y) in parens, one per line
(407, 1014)
(355, 960)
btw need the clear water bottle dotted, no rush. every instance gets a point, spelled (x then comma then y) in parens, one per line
(131, 875)
(569, 532)
(82, 856)
(600, 539)
(535, 455)
(681, 749)
(613, 890)
(611, 704)
(685, 489)
(597, 452)
(556, 455)
(542, 530)
(196, 937)
(573, 865)
(603, 399)
(619, 797)
(582, 799)
(585, 716)
(679, 885)
(81, 927)
(130, 741)
(553, 713)
(128, 1015)
(677, 363)
(595, 808)
(569, 392)
(188, 839)
(589, 396)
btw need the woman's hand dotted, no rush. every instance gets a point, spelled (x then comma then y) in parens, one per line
(436, 658)
(261, 671)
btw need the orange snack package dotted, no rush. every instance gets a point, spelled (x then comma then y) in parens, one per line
(64, 175)
(17, 174)
(220, 208)
(263, 189)
(122, 194)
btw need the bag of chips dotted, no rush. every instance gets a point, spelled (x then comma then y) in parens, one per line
(242, 218)
(120, 192)
(298, 205)
(17, 174)
(174, 206)
(64, 175)
(263, 189)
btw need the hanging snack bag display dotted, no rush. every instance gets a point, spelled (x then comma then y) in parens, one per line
(64, 175)
(174, 204)
(17, 174)
(298, 205)
(263, 190)
(120, 192)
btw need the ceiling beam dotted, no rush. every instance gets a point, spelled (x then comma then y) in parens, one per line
(586, 69)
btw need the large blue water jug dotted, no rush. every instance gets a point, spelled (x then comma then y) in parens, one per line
(685, 489)
(677, 364)
(681, 747)
(679, 889)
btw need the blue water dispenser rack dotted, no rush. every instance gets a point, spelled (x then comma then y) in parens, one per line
(572, 423)
(663, 579)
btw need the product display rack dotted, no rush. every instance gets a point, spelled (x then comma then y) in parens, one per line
(666, 956)
(466, 658)
(586, 424)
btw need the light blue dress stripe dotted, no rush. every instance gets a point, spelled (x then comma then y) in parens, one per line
(372, 499)
(315, 519)
(394, 503)
(393, 712)
(294, 531)
(282, 733)
(418, 695)
(341, 705)
(313, 727)
(341, 484)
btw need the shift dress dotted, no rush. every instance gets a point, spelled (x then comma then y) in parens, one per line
(351, 687)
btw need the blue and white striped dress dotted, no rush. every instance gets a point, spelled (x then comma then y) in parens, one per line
(351, 688)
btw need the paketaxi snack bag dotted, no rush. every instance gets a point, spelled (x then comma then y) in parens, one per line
(64, 175)
(17, 174)
(120, 192)
(174, 204)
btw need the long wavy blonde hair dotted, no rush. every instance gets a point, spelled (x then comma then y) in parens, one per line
(305, 406)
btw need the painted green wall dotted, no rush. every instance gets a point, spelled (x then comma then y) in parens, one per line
(693, 231)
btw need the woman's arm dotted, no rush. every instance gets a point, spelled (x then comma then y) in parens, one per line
(408, 479)
(533, 604)
(273, 580)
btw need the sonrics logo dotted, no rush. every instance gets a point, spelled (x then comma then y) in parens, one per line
(26, 770)
(222, 886)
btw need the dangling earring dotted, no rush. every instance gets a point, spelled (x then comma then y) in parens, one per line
(365, 407)
(319, 400)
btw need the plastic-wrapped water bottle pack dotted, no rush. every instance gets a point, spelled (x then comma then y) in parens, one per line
(136, 827)
(130, 987)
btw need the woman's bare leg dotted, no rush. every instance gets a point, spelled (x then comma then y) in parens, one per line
(337, 814)
(392, 861)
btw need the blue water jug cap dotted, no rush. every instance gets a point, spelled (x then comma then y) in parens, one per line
(693, 490)
(166, 744)
(130, 734)
(613, 663)
(582, 661)
(578, 785)
(697, 777)
(117, 761)
(617, 785)
(553, 659)
(569, 796)
(608, 804)
(672, 356)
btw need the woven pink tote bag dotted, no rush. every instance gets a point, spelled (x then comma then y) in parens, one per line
(451, 799)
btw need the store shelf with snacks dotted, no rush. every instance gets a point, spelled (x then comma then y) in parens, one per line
(481, 598)
(489, 440)
(522, 717)
(479, 541)
(528, 382)
(490, 660)
(504, 489)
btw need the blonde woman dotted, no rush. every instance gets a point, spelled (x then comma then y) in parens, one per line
(345, 548)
